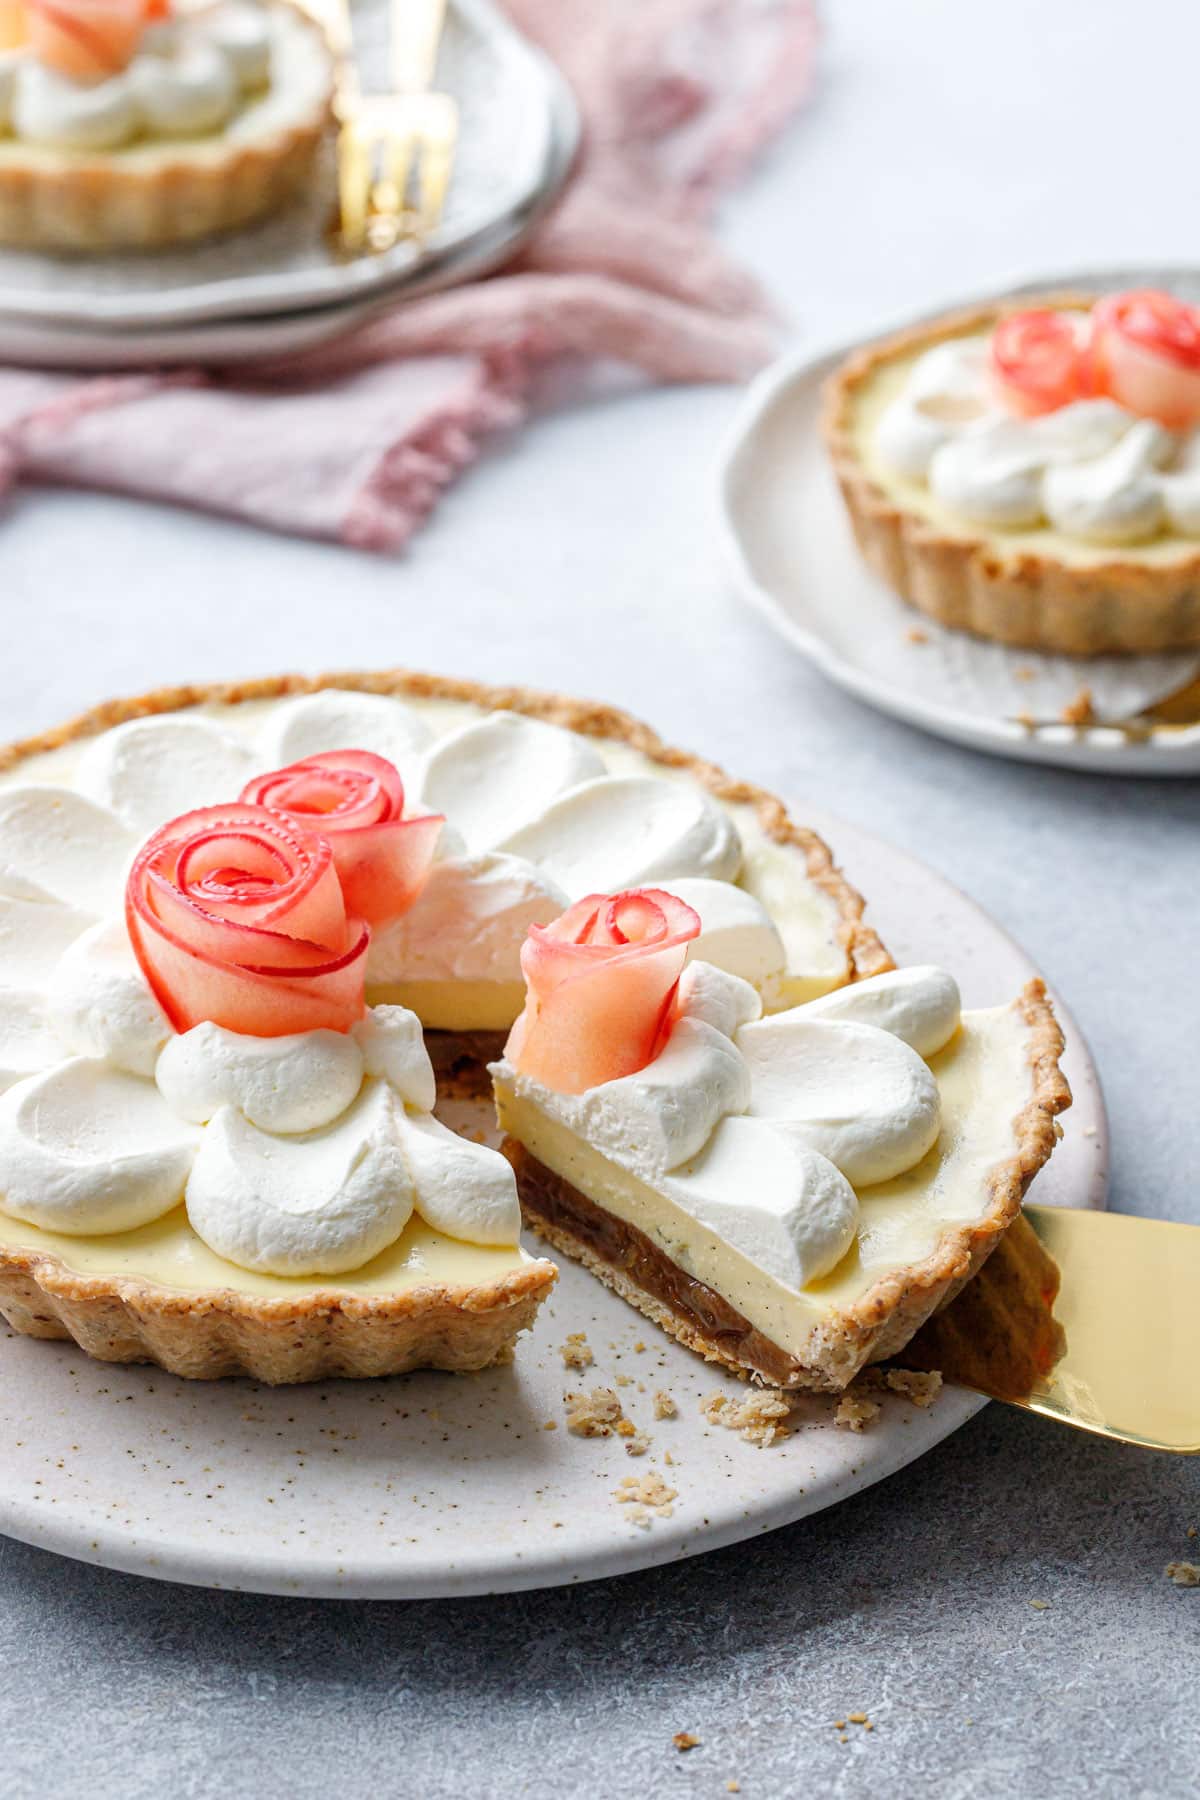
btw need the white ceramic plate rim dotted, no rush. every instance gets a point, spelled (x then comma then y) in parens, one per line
(241, 296)
(1104, 751)
(476, 1567)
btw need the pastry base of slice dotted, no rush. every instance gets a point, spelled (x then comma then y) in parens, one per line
(1031, 589)
(385, 1321)
(981, 1167)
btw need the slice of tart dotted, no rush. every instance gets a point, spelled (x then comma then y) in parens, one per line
(226, 916)
(135, 126)
(791, 1195)
(1030, 471)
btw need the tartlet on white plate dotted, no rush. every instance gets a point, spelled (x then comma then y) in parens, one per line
(1065, 518)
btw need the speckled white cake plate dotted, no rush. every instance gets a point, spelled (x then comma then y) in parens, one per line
(433, 1485)
(788, 546)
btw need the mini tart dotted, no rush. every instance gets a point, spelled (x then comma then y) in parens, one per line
(154, 193)
(408, 1309)
(1033, 589)
(945, 1216)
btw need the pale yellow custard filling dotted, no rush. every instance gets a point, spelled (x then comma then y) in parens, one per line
(169, 1253)
(872, 398)
(984, 1078)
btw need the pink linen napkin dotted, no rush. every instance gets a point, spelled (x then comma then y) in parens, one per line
(357, 438)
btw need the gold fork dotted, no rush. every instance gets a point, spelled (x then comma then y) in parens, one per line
(389, 142)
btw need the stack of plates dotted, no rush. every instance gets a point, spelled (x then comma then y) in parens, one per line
(280, 286)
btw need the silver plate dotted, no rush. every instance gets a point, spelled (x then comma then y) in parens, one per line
(517, 134)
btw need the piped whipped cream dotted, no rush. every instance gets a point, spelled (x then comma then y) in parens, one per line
(467, 924)
(737, 933)
(855, 1093)
(319, 1203)
(804, 1212)
(920, 1004)
(339, 719)
(101, 1004)
(497, 775)
(88, 1148)
(150, 770)
(35, 932)
(1092, 470)
(65, 846)
(28, 1040)
(299, 1082)
(188, 79)
(628, 831)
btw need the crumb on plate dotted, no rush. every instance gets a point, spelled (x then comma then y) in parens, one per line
(759, 1418)
(577, 1352)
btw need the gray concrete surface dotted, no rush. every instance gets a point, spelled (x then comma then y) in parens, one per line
(580, 556)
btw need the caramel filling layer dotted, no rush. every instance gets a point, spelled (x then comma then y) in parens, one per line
(548, 1200)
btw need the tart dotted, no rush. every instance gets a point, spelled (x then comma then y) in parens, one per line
(230, 944)
(1030, 471)
(123, 127)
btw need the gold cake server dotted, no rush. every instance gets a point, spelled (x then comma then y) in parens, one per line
(1092, 1318)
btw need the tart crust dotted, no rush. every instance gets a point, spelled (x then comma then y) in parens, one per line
(882, 1321)
(330, 1333)
(323, 1334)
(94, 201)
(1124, 604)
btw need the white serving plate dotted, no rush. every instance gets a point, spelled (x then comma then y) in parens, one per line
(518, 128)
(788, 546)
(431, 1485)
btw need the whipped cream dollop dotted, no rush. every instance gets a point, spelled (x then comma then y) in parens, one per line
(298, 1082)
(56, 844)
(101, 1004)
(497, 775)
(919, 1004)
(1092, 470)
(737, 933)
(761, 1127)
(629, 831)
(85, 1148)
(468, 922)
(319, 1203)
(28, 1040)
(341, 719)
(150, 770)
(188, 79)
(858, 1095)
